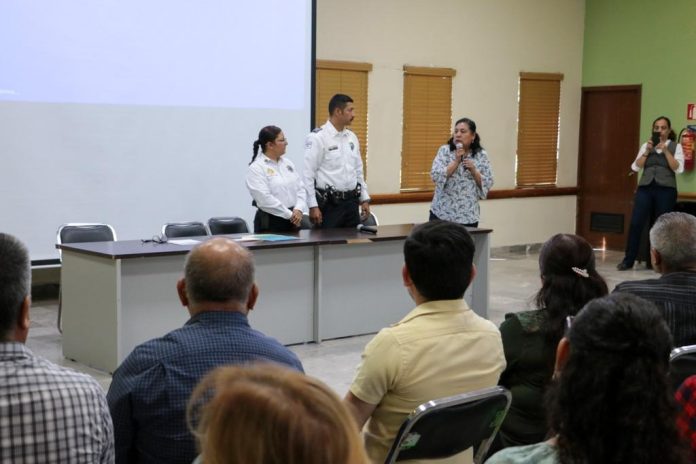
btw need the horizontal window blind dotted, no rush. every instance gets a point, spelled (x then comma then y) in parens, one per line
(538, 128)
(427, 123)
(349, 78)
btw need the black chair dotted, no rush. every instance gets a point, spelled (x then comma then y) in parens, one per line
(80, 232)
(227, 225)
(306, 222)
(184, 229)
(682, 364)
(445, 427)
(370, 220)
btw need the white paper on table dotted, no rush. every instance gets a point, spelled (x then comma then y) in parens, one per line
(184, 241)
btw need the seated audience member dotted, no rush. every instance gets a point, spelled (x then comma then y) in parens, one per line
(150, 389)
(271, 415)
(611, 401)
(569, 280)
(673, 255)
(441, 348)
(48, 414)
(686, 418)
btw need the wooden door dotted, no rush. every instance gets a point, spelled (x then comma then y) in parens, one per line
(609, 142)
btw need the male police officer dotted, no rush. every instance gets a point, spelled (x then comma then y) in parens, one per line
(333, 172)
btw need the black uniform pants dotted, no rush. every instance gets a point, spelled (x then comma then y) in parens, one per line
(341, 213)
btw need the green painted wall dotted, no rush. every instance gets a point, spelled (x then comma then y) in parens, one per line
(647, 42)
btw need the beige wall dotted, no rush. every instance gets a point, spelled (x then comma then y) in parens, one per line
(488, 43)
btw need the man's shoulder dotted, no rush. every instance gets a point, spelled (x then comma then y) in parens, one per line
(633, 286)
(315, 138)
(418, 325)
(209, 345)
(160, 347)
(43, 373)
(674, 283)
(481, 323)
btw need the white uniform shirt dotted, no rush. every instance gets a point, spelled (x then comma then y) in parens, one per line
(276, 187)
(333, 158)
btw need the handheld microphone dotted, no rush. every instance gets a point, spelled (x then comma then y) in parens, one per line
(367, 229)
(459, 145)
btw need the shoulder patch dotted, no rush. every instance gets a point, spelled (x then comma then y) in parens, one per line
(316, 129)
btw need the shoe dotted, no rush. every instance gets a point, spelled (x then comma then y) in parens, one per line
(622, 266)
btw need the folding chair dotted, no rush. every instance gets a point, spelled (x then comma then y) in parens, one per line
(682, 364)
(227, 225)
(80, 232)
(445, 427)
(184, 229)
(370, 220)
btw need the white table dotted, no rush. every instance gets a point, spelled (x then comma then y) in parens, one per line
(325, 284)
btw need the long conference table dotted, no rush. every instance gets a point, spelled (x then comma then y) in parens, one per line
(324, 284)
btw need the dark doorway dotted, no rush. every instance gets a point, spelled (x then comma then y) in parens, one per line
(609, 142)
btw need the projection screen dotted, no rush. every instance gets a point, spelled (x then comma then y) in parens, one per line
(137, 113)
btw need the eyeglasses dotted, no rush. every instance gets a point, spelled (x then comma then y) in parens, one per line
(155, 239)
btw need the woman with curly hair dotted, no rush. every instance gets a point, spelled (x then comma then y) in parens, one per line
(612, 402)
(569, 280)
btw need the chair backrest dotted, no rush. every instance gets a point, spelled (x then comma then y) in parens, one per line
(306, 223)
(184, 229)
(81, 232)
(445, 427)
(370, 220)
(682, 364)
(227, 225)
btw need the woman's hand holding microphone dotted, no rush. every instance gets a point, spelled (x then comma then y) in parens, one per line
(464, 159)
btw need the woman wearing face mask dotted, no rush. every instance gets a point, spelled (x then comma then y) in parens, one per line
(660, 158)
(462, 175)
(275, 185)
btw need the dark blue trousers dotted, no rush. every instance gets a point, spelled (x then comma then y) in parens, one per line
(649, 202)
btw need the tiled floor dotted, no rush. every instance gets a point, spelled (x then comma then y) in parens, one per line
(514, 278)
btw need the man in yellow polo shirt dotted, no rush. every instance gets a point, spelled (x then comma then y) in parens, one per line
(441, 348)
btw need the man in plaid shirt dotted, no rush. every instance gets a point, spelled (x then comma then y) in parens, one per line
(48, 414)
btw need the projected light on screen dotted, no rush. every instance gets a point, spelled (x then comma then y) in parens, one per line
(137, 113)
(155, 52)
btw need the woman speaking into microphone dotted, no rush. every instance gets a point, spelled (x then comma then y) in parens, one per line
(275, 185)
(462, 175)
(660, 158)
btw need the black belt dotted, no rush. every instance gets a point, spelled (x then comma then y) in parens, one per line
(333, 194)
(346, 195)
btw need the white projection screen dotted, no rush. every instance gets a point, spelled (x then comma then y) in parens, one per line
(141, 112)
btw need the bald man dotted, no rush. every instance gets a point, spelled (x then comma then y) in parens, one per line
(149, 391)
